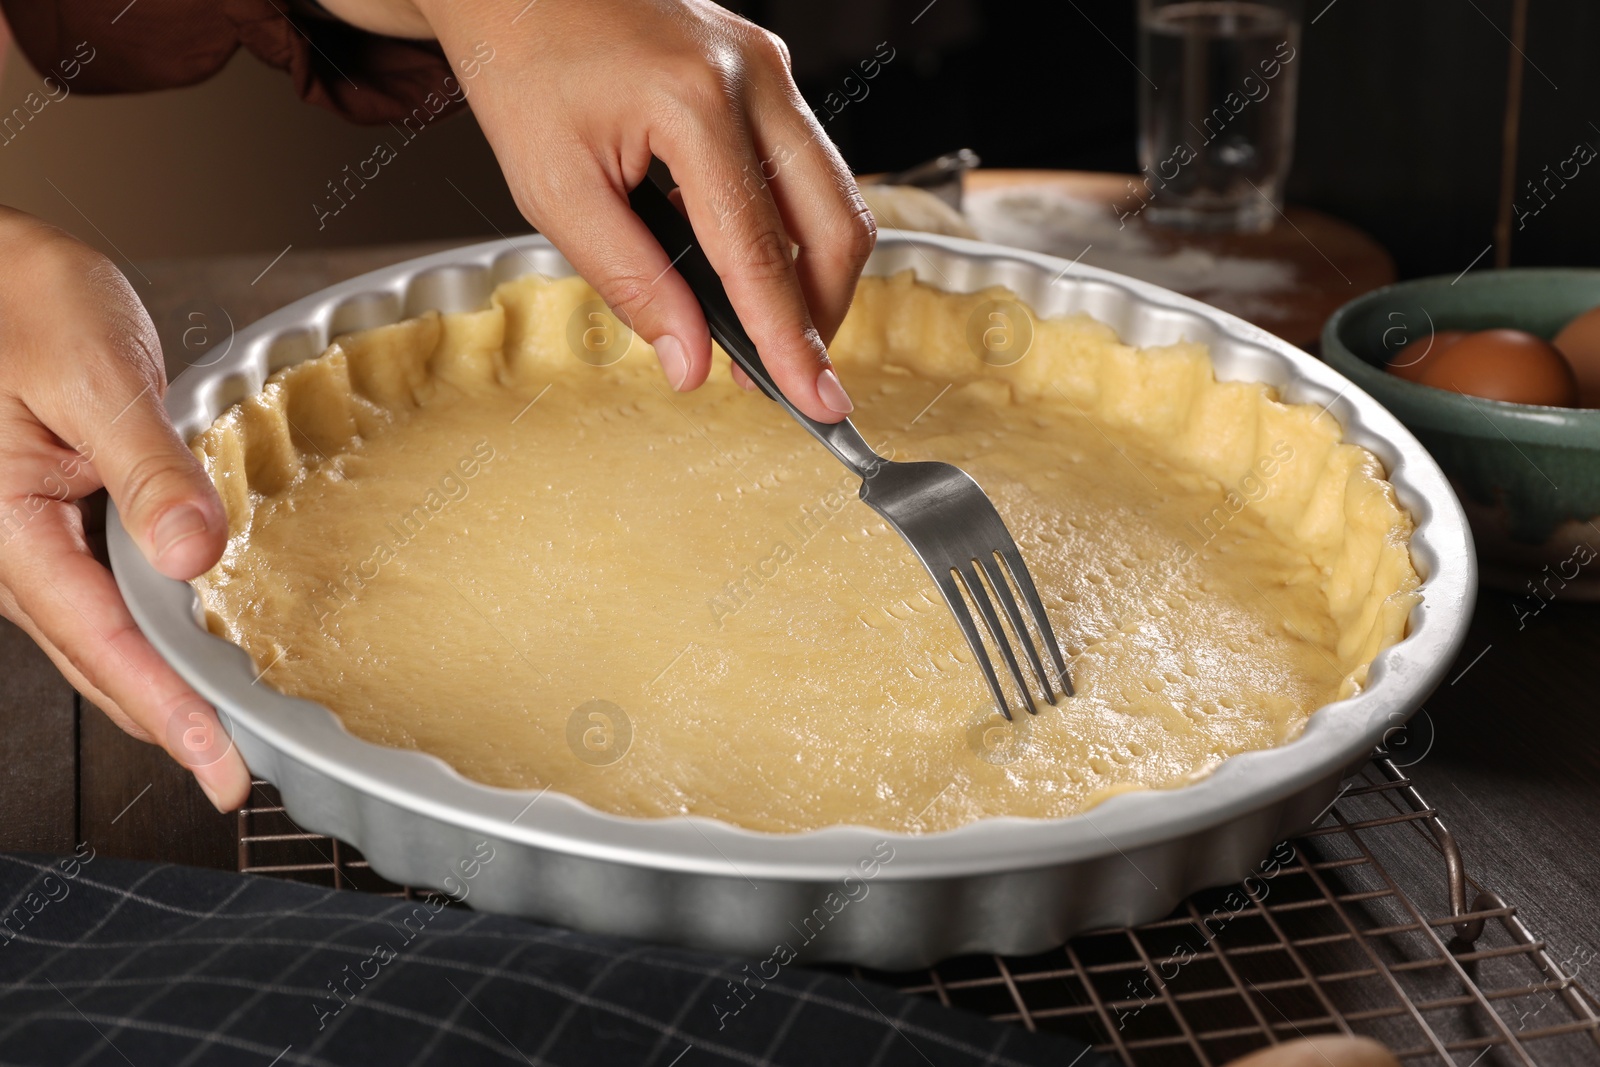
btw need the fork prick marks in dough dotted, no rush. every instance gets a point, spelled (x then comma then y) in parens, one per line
(1289, 625)
(1108, 440)
(903, 608)
(735, 464)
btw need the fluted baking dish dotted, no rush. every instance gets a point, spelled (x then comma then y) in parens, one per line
(843, 893)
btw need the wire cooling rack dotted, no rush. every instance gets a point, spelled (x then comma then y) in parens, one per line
(1322, 939)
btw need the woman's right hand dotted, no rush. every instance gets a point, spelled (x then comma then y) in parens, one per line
(81, 384)
(581, 94)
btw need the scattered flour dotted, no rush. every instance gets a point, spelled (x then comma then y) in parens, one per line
(1047, 219)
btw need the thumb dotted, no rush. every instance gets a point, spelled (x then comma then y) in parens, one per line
(165, 498)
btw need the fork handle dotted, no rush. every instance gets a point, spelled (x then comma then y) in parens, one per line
(651, 203)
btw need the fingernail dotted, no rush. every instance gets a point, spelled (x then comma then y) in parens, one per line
(832, 393)
(669, 350)
(177, 525)
(211, 796)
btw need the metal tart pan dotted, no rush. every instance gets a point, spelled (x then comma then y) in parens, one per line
(845, 893)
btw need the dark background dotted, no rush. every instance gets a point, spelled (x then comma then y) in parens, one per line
(1402, 105)
(1401, 128)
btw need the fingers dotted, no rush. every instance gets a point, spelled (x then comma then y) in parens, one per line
(586, 214)
(740, 378)
(749, 247)
(109, 410)
(163, 494)
(817, 198)
(574, 126)
(80, 406)
(11, 610)
(71, 605)
(38, 465)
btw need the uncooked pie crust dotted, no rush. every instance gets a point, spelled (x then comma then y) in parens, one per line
(498, 537)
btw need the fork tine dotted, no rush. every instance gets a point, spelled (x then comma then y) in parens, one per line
(1019, 573)
(958, 607)
(980, 597)
(1002, 588)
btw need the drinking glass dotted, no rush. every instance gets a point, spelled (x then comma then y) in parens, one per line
(1216, 110)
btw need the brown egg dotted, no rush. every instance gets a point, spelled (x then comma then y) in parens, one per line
(1579, 341)
(1413, 356)
(1505, 365)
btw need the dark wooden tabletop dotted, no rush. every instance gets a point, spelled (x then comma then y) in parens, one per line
(1508, 749)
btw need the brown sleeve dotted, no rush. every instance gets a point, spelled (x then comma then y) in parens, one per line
(113, 46)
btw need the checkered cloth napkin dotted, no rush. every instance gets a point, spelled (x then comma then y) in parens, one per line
(105, 961)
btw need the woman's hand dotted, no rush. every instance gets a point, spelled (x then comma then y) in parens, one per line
(581, 93)
(81, 382)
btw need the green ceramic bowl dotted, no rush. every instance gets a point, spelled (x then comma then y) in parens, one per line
(1528, 475)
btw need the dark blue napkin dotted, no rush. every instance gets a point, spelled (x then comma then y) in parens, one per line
(106, 961)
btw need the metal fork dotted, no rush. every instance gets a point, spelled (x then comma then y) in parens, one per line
(938, 509)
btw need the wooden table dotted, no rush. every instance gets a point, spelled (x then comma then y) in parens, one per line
(1318, 263)
(1514, 763)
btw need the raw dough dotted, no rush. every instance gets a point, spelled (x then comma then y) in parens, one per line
(460, 537)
